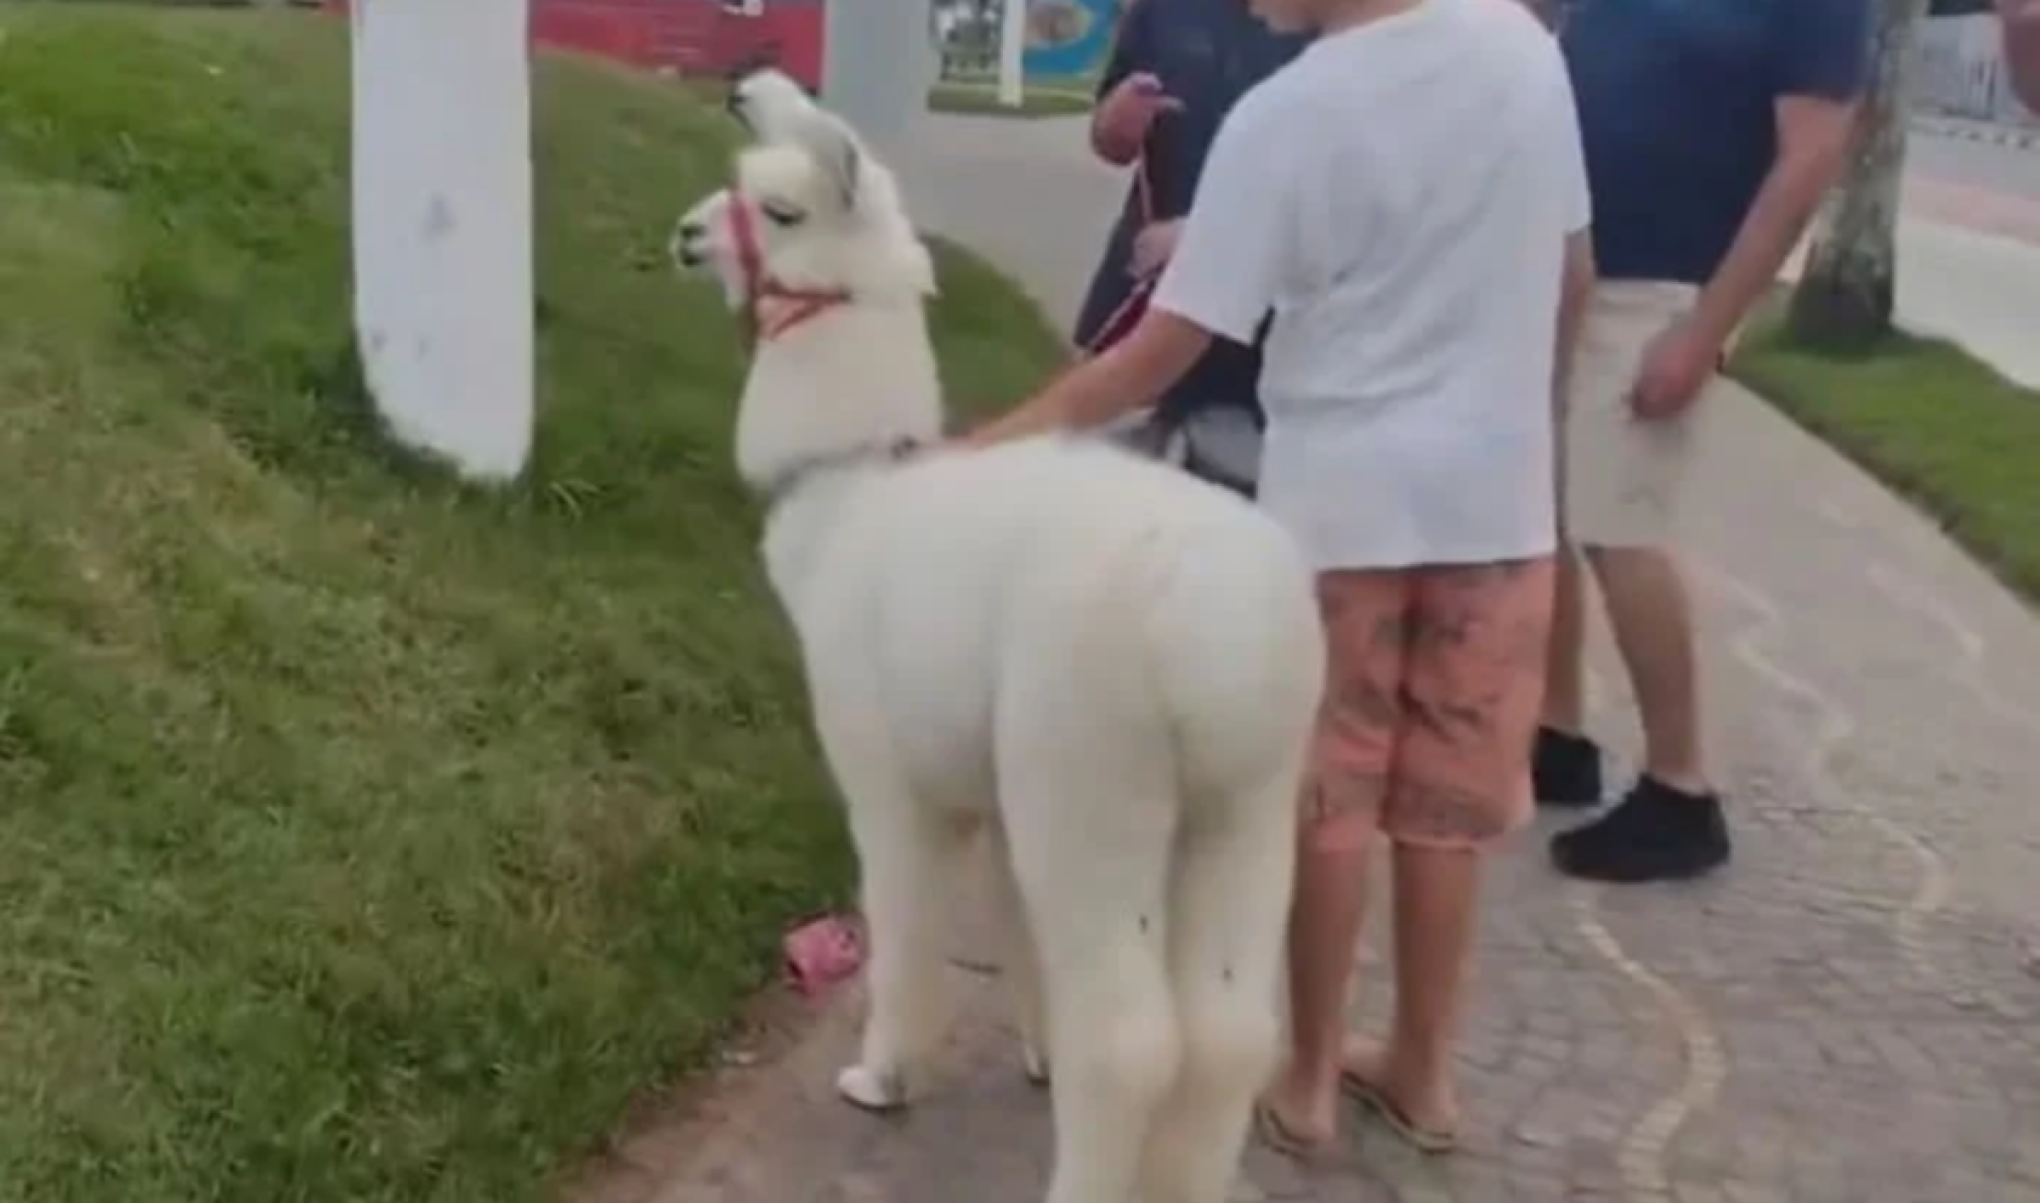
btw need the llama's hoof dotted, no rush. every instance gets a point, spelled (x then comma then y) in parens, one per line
(870, 1090)
(1035, 1065)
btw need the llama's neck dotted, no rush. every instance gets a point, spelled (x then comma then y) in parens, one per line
(857, 380)
(828, 402)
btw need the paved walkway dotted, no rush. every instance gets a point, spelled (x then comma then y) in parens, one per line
(1970, 129)
(1849, 1015)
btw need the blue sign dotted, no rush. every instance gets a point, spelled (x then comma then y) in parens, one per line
(1068, 38)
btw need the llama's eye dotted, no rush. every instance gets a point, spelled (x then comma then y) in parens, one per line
(782, 215)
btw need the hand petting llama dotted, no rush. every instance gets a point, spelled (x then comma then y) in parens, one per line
(1107, 667)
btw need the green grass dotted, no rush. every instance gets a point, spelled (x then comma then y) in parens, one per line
(1932, 422)
(983, 99)
(364, 837)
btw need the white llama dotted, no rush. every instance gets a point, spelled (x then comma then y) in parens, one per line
(1107, 667)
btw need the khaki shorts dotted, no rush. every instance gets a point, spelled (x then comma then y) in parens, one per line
(1626, 479)
(1434, 681)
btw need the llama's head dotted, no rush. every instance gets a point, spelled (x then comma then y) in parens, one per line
(813, 228)
(769, 103)
(812, 219)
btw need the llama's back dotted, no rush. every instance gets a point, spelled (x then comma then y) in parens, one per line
(1058, 583)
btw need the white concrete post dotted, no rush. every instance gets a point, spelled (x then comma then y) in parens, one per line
(1013, 53)
(875, 66)
(442, 226)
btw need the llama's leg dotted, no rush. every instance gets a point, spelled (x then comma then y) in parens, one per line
(1016, 942)
(1093, 868)
(1228, 910)
(906, 857)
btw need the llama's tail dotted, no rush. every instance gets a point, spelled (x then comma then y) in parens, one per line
(1237, 653)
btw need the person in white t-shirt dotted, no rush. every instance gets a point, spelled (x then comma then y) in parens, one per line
(1407, 198)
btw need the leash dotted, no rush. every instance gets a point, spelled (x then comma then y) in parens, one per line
(1126, 315)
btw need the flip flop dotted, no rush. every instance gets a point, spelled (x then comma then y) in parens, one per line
(1434, 1142)
(1276, 1133)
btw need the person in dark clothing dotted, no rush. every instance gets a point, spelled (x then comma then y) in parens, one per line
(1176, 70)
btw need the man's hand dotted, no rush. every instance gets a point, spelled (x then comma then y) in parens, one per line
(1127, 113)
(1153, 246)
(1676, 366)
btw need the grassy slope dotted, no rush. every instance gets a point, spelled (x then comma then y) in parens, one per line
(1932, 422)
(362, 837)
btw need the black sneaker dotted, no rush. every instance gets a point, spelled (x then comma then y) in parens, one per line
(1567, 769)
(1656, 834)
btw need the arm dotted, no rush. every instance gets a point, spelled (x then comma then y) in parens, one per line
(1823, 51)
(1577, 276)
(1128, 376)
(1129, 52)
(1221, 281)
(1576, 283)
(1575, 292)
(2020, 22)
(1813, 144)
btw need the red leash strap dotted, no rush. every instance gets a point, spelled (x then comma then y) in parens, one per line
(1121, 321)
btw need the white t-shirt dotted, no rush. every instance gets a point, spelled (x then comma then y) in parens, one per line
(1399, 196)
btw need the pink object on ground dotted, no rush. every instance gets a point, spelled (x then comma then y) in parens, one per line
(823, 952)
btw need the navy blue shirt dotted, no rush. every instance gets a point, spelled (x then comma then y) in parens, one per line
(1678, 116)
(1207, 53)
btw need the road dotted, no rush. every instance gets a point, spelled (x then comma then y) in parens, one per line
(1969, 250)
(2005, 170)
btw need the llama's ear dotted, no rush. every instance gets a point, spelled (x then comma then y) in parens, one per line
(839, 154)
(765, 100)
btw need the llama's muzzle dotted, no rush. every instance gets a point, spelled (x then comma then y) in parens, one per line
(689, 240)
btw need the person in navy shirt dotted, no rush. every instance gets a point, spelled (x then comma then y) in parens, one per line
(1711, 130)
(1176, 70)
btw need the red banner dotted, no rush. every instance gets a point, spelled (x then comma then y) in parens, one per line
(694, 37)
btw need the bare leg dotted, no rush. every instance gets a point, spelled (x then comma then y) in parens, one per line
(1652, 618)
(1565, 678)
(1366, 616)
(1671, 825)
(1475, 683)
(1324, 934)
(1436, 895)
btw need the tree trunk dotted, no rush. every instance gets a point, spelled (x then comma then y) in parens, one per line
(442, 227)
(1846, 293)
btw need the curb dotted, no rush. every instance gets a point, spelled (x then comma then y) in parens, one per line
(1990, 133)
